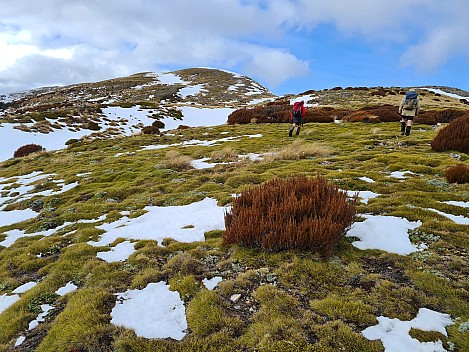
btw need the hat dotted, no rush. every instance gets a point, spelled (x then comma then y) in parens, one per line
(412, 90)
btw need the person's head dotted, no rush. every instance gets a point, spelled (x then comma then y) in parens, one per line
(412, 90)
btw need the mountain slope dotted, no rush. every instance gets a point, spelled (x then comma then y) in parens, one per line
(115, 244)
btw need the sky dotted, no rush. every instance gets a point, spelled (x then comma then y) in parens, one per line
(289, 46)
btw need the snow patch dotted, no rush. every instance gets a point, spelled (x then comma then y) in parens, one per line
(186, 223)
(154, 312)
(387, 233)
(119, 253)
(210, 284)
(394, 333)
(69, 287)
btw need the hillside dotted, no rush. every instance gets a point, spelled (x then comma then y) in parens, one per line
(114, 242)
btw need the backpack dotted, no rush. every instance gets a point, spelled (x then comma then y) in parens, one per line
(296, 112)
(410, 101)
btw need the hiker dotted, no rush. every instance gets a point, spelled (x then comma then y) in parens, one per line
(296, 117)
(408, 109)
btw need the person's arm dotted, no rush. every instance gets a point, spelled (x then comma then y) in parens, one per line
(417, 109)
(401, 105)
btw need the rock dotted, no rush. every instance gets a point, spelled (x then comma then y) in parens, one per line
(235, 298)
(112, 200)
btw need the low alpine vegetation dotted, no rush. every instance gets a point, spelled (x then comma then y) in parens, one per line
(457, 174)
(27, 150)
(294, 213)
(455, 136)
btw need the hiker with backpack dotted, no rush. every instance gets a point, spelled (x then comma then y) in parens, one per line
(296, 117)
(408, 109)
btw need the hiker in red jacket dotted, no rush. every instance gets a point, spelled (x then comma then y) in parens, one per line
(296, 117)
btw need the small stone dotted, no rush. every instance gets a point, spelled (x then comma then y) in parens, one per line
(235, 298)
(112, 200)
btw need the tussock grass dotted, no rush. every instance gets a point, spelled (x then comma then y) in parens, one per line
(225, 154)
(176, 161)
(300, 149)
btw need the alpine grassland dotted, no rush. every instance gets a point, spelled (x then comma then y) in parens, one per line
(280, 297)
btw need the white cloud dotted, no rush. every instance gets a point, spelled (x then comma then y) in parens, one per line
(442, 44)
(275, 66)
(93, 40)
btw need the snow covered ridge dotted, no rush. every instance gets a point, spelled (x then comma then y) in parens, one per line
(459, 95)
(202, 97)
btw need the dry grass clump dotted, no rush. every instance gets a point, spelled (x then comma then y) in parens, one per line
(225, 154)
(27, 150)
(294, 213)
(455, 136)
(457, 174)
(176, 161)
(299, 149)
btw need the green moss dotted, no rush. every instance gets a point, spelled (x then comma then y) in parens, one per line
(310, 276)
(427, 336)
(183, 263)
(337, 336)
(205, 313)
(276, 320)
(187, 286)
(336, 307)
(82, 323)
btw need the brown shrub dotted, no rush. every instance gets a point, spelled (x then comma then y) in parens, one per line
(280, 113)
(158, 124)
(455, 136)
(93, 126)
(263, 114)
(294, 213)
(426, 117)
(386, 112)
(380, 91)
(448, 115)
(150, 130)
(362, 116)
(27, 149)
(325, 114)
(457, 174)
